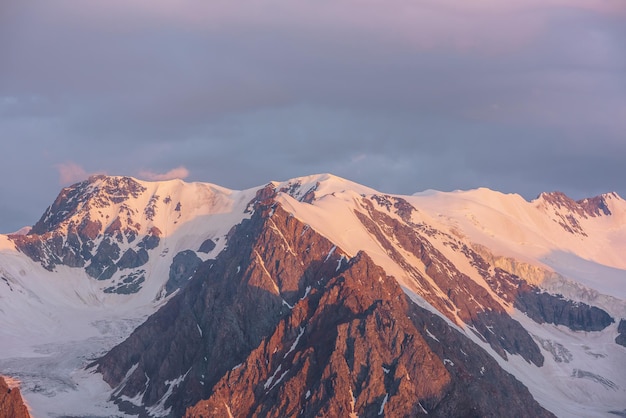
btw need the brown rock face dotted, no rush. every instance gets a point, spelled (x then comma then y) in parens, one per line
(590, 207)
(341, 350)
(282, 323)
(11, 402)
(455, 293)
(360, 347)
(67, 235)
(73, 199)
(568, 210)
(223, 313)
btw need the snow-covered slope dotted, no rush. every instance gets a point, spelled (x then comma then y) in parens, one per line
(575, 249)
(563, 246)
(106, 254)
(56, 317)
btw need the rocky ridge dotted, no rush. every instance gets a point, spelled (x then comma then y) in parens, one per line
(11, 402)
(283, 322)
(87, 225)
(462, 299)
(566, 210)
(111, 226)
(353, 352)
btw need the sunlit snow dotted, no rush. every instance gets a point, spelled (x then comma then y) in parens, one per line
(55, 323)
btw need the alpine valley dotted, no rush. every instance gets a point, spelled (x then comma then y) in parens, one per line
(314, 297)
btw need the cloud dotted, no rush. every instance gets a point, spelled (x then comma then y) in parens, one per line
(522, 96)
(70, 172)
(426, 24)
(175, 173)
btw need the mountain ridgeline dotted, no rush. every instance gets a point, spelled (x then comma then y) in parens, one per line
(75, 231)
(321, 297)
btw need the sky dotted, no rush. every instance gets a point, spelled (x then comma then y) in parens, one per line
(521, 96)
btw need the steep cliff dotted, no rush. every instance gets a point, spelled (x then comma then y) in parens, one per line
(11, 402)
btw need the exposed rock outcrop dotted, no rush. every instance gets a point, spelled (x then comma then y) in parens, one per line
(590, 207)
(223, 313)
(360, 347)
(568, 212)
(283, 323)
(128, 283)
(183, 267)
(453, 293)
(621, 338)
(102, 265)
(74, 232)
(11, 403)
(133, 258)
(544, 307)
(207, 246)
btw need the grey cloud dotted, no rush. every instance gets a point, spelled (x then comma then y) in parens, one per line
(520, 97)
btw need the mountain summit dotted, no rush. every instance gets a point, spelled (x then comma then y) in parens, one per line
(315, 296)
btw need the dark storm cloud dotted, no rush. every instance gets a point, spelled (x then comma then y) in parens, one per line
(402, 96)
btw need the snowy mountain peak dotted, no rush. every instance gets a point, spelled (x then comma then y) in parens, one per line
(315, 186)
(109, 225)
(96, 192)
(490, 281)
(589, 207)
(125, 202)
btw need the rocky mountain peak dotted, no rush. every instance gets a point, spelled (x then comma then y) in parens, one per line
(589, 207)
(94, 193)
(309, 188)
(568, 212)
(86, 225)
(272, 261)
(596, 206)
(319, 297)
(284, 323)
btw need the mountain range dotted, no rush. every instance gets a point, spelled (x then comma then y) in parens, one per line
(315, 296)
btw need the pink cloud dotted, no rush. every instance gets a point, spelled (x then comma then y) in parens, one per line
(176, 173)
(70, 172)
